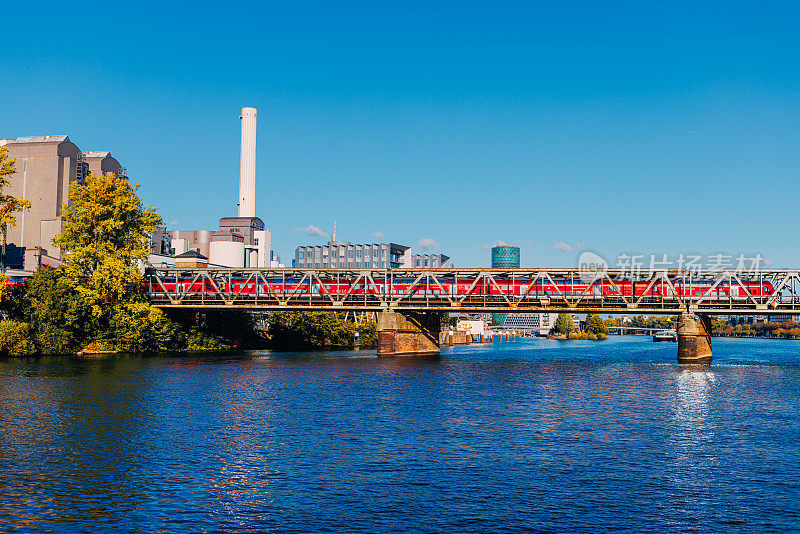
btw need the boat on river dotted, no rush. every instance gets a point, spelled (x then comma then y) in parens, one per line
(665, 335)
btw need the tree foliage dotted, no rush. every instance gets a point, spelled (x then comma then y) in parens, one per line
(310, 330)
(104, 240)
(595, 325)
(10, 205)
(62, 322)
(564, 324)
(16, 338)
(367, 334)
(139, 327)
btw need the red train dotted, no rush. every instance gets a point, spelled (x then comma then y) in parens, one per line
(484, 287)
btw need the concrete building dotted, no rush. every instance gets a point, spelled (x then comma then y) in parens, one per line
(161, 242)
(46, 167)
(346, 255)
(416, 261)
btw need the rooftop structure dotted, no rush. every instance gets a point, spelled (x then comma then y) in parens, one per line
(427, 260)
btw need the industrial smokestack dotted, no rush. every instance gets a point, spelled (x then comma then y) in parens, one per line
(247, 167)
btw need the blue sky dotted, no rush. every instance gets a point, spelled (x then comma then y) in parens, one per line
(624, 127)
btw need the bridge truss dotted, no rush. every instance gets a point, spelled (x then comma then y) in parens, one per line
(479, 290)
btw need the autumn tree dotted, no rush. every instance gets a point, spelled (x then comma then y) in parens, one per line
(10, 205)
(595, 325)
(104, 240)
(564, 324)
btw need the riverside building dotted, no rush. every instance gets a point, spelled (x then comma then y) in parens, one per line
(46, 167)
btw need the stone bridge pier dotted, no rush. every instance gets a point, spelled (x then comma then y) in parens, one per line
(408, 333)
(694, 338)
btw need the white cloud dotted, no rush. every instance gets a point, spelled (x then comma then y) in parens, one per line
(560, 245)
(427, 242)
(311, 230)
(378, 235)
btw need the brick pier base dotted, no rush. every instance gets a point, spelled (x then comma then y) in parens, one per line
(408, 333)
(694, 339)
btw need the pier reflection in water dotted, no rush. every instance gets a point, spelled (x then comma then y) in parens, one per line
(536, 435)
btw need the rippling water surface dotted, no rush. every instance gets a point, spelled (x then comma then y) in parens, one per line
(533, 435)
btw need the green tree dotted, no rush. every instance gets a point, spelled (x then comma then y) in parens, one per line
(104, 241)
(16, 339)
(139, 327)
(564, 324)
(595, 325)
(61, 321)
(310, 330)
(367, 334)
(10, 205)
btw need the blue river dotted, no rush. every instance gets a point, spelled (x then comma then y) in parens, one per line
(534, 435)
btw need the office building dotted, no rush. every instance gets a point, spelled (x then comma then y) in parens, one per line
(346, 255)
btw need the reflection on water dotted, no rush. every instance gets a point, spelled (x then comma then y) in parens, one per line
(693, 396)
(526, 436)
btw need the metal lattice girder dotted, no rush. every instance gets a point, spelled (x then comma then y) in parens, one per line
(522, 290)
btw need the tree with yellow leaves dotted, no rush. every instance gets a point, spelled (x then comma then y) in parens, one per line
(104, 240)
(10, 205)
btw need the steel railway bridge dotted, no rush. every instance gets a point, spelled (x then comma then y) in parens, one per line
(406, 298)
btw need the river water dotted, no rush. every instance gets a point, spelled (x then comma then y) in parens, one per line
(528, 436)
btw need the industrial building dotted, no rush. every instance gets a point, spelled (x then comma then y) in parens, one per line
(504, 257)
(46, 166)
(241, 241)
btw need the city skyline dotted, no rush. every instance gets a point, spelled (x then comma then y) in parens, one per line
(625, 130)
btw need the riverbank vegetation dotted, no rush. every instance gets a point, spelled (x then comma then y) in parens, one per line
(92, 301)
(768, 329)
(594, 328)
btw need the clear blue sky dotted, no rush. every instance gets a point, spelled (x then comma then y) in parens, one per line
(644, 127)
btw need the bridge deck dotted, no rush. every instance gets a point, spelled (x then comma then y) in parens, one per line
(479, 290)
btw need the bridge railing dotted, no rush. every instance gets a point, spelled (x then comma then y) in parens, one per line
(544, 289)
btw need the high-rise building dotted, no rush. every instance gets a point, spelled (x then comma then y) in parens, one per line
(504, 257)
(46, 166)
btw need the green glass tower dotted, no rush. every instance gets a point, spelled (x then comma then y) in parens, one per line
(504, 257)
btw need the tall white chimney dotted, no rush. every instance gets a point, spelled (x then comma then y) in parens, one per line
(247, 167)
